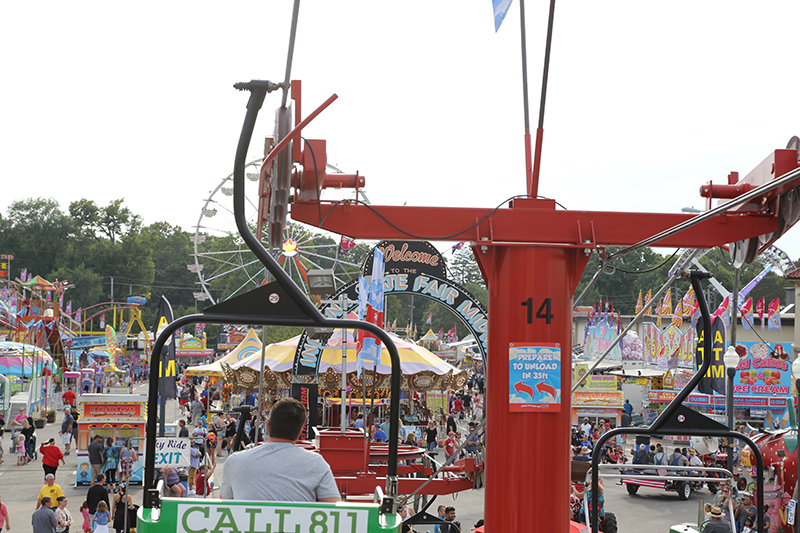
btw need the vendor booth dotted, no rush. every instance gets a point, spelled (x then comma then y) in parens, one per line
(121, 417)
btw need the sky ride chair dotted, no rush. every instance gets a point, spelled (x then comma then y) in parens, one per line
(280, 302)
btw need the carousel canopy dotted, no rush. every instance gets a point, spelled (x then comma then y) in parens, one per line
(279, 357)
(249, 347)
(17, 359)
(421, 369)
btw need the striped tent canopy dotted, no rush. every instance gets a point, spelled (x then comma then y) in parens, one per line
(23, 360)
(418, 364)
(249, 346)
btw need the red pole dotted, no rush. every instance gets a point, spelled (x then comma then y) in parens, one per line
(527, 454)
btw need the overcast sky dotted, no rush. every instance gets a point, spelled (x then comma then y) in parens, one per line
(646, 101)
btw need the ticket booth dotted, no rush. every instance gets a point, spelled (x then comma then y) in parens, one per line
(87, 380)
(71, 380)
(121, 417)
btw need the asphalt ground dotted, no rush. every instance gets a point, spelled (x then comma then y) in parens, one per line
(20, 485)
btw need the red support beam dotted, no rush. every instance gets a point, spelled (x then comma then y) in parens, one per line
(525, 224)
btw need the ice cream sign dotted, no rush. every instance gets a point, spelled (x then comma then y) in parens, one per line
(763, 369)
(534, 377)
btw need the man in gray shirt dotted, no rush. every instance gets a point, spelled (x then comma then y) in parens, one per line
(44, 519)
(278, 470)
(197, 411)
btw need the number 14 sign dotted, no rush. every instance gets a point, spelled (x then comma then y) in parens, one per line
(534, 377)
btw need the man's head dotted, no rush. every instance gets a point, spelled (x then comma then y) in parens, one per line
(50, 479)
(182, 423)
(286, 420)
(47, 501)
(716, 513)
(100, 478)
(67, 409)
(440, 511)
(98, 438)
(747, 497)
(450, 514)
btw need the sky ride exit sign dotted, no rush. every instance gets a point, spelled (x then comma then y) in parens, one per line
(534, 377)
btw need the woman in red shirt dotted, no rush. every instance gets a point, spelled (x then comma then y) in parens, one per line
(51, 455)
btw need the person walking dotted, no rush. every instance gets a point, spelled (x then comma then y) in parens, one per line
(66, 429)
(101, 518)
(50, 490)
(22, 455)
(4, 516)
(51, 456)
(123, 504)
(431, 436)
(63, 515)
(44, 519)
(97, 493)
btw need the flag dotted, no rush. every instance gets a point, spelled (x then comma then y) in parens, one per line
(23, 275)
(658, 314)
(345, 245)
(430, 318)
(747, 314)
(61, 302)
(368, 346)
(167, 373)
(78, 314)
(103, 322)
(760, 311)
(647, 299)
(13, 301)
(688, 301)
(394, 324)
(714, 380)
(440, 335)
(199, 328)
(696, 314)
(677, 316)
(724, 311)
(639, 304)
(500, 8)
(457, 246)
(774, 315)
(666, 306)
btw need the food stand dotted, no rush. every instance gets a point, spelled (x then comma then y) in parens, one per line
(121, 417)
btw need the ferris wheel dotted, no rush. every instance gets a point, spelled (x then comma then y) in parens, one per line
(225, 266)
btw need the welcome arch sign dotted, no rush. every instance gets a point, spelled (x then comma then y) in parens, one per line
(413, 267)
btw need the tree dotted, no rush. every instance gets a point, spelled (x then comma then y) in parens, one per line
(111, 221)
(464, 269)
(38, 234)
(88, 285)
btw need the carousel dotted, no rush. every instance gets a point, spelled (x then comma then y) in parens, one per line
(422, 370)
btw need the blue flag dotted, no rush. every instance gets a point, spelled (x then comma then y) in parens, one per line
(500, 10)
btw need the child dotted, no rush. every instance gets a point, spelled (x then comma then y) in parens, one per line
(87, 525)
(22, 455)
(101, 518)
(748, 525)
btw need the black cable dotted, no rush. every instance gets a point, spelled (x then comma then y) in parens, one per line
(649, 269)
(421, 237)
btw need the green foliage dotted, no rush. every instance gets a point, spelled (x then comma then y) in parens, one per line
(622, 288)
